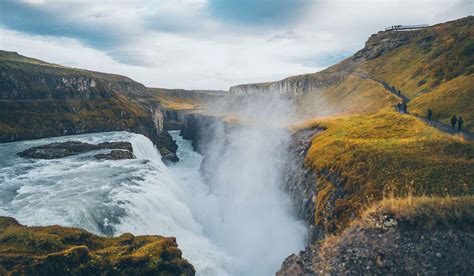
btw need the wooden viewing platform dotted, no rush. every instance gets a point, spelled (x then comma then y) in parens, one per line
(406, 27)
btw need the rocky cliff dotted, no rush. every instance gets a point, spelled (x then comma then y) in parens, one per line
(396, 236)
(201, 129)
(39, 99)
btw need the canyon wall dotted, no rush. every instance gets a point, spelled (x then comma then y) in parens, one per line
(39, 99)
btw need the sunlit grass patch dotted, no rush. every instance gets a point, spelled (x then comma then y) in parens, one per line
(385, 153)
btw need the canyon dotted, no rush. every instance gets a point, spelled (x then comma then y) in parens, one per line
(318, 163)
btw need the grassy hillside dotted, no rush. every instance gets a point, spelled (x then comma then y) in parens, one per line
(350, 96)
(179, 99)
(453, 97)
(434, 69)
(360, 159)
(56, 250)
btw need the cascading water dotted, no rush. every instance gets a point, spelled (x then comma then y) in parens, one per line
(143, 196)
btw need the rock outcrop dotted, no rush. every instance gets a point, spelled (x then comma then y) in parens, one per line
(56, 250)
(434, 236)
(384, 42)
(63, 149)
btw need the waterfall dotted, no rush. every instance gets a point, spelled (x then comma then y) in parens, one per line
(145, 197)
(143, 148)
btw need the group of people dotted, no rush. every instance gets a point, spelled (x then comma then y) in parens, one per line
(401, 107)
(459, 121)
(454, 120)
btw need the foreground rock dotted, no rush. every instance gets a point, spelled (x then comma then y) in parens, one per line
(56, 250)
(404, 236)
(63, 149)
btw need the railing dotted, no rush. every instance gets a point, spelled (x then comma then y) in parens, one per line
(406, 27)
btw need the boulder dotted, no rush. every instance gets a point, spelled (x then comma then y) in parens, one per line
(63, 149)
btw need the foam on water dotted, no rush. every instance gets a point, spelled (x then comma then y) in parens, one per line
(141, 196)
(106, 197)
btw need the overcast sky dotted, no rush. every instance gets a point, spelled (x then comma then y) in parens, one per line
(206, 44)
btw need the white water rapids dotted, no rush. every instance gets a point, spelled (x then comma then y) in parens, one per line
(144, 196)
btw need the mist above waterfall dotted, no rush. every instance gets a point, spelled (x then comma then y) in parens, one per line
(243, 170)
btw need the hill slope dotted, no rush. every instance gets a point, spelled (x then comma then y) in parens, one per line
(433, 68)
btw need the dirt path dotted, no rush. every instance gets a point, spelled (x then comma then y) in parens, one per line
(436, 124)
(447, 128)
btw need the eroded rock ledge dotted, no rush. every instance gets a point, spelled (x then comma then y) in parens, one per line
(121, 150)
(56, 250)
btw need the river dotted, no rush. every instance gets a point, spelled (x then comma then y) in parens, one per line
(141, 196)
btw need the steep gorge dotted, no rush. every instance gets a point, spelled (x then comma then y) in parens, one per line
(335, 168)
(343, 164)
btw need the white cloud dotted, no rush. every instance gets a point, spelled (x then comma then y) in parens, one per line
(178, 44)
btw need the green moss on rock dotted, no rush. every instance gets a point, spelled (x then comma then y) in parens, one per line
(56, 250)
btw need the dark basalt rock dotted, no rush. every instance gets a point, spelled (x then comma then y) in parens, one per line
(57, 150)
(168, 156)
(167, 147)
(115, 155)
(116, 145)
(63, 149)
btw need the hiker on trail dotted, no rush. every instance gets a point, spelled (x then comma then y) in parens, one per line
(430, 114)
(460, 121)
(399, 92)
(404, 106)
(453, 122)
(398, 107)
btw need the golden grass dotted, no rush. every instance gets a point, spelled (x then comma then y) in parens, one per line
(429, 212)
(385, 153)
(454, 97)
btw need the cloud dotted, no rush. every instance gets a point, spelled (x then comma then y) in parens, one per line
(62, 20)
(288, 35)
(206, 44)
(255, 13)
